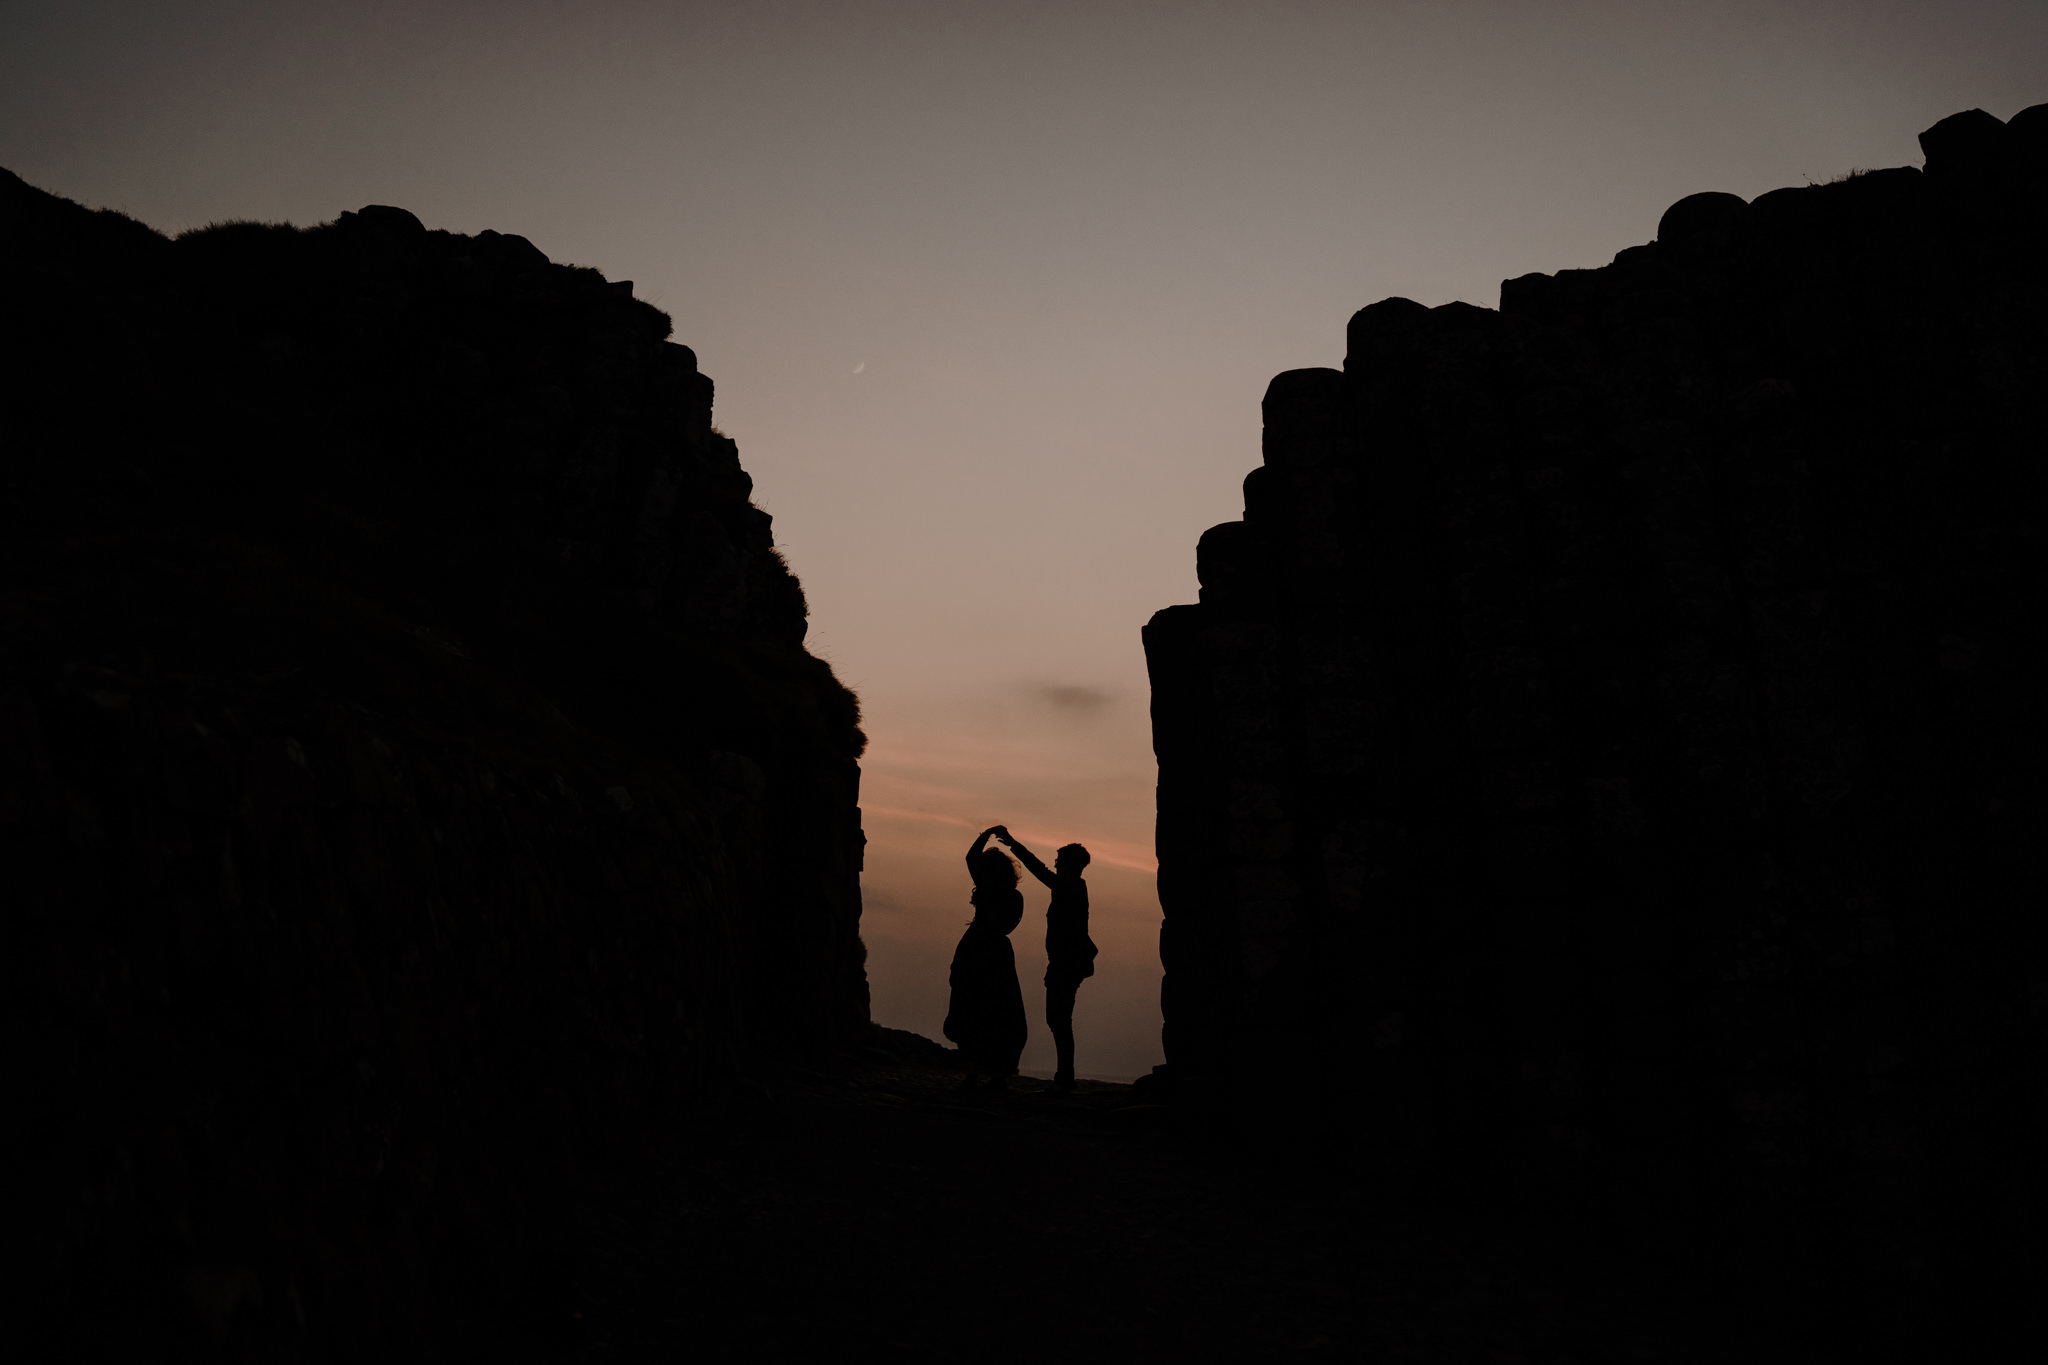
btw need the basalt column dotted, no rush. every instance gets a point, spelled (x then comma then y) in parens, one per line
(414, 789)
(1615, 725)
(1271, 709)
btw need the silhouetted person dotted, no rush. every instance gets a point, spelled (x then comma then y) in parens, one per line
(1069, 952)
(986, 1014)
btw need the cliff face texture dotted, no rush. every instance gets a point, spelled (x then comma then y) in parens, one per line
(1615, 726)
(411, 773)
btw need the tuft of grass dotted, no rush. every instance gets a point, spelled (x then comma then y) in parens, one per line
(237, 227)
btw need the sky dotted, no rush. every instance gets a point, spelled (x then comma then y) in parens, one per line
(991, 291)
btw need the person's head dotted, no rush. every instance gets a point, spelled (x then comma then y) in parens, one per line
(1070, 861)
(995, 900)
(993, 868)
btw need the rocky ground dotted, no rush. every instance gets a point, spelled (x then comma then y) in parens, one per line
(876, 1210)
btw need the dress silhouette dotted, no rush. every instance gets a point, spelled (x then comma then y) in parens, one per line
(1069, 952)
(986, 1014)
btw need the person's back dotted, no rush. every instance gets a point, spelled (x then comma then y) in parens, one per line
(1068, 949)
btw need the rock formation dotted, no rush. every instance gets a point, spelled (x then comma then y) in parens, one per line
(411, 773)
(1615, 729)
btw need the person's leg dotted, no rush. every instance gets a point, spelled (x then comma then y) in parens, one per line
(1059, 1018)
(972, 1053)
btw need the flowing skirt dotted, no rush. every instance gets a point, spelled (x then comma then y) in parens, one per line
(986, 1014)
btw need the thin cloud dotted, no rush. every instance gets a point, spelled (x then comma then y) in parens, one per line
(1073, 698)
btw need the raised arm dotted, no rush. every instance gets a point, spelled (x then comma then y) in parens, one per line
(1024, 855)
(980, 843)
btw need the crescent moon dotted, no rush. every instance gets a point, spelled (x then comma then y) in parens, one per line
(862, 366)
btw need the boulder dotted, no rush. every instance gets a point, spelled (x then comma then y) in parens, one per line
(1971, 143)
(1699, 213)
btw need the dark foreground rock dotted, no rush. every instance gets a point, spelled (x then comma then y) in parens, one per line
(1613, 742)
(873, 1211)
(412, 779)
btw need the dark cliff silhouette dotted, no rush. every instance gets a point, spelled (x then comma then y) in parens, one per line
(1613, 737)
(410, 773)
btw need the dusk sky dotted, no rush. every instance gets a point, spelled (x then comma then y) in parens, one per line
(991, 291)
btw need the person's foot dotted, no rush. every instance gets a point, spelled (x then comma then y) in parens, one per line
(1063, 1082)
